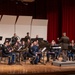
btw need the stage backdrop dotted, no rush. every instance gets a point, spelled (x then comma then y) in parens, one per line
(7, 26)
(39, 27)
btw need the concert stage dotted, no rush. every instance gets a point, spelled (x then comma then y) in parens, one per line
(41, 69)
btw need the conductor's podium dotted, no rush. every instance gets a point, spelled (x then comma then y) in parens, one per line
(66, 63)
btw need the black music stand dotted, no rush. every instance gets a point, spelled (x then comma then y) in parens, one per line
(22, 39)
(32, 39)
(8, 39)
(1, 38)
(69, 47)
(39, 39)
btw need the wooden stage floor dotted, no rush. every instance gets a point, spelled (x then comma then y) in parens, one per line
(27, 68)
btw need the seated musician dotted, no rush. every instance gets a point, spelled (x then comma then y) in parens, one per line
(7, 52)
(28, 43)
(71, 52)
(23, 44)
(35, 52)
(23, 49)
(39, 54)
(27, 52)
(17, 47)
(53, 52)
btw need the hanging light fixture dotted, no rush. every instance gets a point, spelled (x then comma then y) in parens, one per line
(27, 0)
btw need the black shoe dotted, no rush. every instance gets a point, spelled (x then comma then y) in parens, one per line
(39, 61)
(9, 63)
(47, 61)
(31, 62)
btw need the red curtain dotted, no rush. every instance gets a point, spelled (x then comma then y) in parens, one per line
(68, 18)
(52, 15)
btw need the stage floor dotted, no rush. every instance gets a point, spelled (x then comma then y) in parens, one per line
(27, 68)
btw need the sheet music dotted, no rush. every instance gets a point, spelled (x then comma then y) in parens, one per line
(43, 49)
(19, 48)
(56, 47)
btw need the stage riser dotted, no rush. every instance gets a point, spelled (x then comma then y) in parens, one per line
(67, 63)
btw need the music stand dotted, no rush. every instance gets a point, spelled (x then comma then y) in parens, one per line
(8, 39)
(1, 38)
(39, 39)
(22, 39)
(69, 47)
(32, 39)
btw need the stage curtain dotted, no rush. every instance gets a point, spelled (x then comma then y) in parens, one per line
(52, 15)
(61, 18)
(68, 18)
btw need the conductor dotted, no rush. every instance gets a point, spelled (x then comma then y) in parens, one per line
(64, 41)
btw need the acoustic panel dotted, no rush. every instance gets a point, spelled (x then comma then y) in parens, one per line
(6, 31)
(7, 26)
(8, 20)
(23, 25)
(24, 20)
(39, 27)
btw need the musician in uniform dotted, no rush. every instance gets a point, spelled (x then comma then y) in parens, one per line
(14, 39)
(27, 52)
(71, 51)
(17, 47)
(23, 44)
(35, 52)
(7, 52)
(27, 37)
(24, 49)
(53, 52)
(64, 41)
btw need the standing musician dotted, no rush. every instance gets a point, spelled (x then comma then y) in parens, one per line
(7, 52)
(27, 37)
(14, 39)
